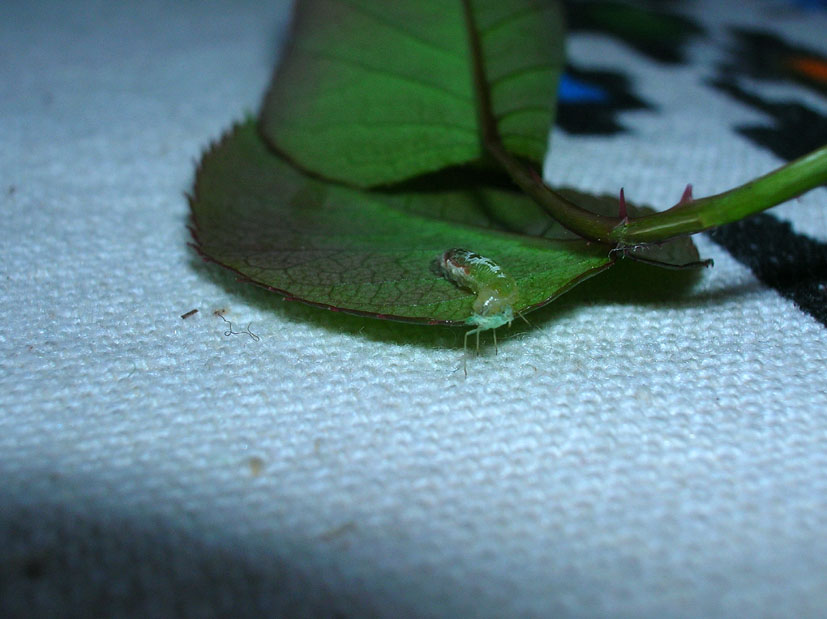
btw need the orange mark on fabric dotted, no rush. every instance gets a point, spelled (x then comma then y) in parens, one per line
(809, 66)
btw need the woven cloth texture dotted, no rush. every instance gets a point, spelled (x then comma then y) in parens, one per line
(644, 448)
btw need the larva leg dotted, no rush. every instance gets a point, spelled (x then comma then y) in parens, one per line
(465, 352)
(476, 332)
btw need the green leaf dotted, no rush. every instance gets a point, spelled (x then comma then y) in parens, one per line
(368, 252)
(357, 108)
(372, 93)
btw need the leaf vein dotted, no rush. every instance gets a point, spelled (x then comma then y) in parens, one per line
(369, 69)
(522, 72)
(400, 29)
(508, 19)
(526, 109)
(391, 124)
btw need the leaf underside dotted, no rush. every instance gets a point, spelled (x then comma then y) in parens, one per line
(368, 252)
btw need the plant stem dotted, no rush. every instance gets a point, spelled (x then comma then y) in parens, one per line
(789, 181)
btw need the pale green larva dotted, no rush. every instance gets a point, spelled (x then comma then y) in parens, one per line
(496, 290)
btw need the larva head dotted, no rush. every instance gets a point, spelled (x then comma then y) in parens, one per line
(455, 266)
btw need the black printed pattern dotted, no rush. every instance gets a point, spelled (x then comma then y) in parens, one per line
(792, 263)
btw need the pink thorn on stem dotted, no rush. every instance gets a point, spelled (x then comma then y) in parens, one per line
(686, 198)
(622, 213)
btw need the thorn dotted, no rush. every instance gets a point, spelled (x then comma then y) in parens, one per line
(535, 176)
(622, 212)
(686, 198)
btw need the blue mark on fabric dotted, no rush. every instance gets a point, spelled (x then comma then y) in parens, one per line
(572, 90)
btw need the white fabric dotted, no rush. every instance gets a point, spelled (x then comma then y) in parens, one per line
(630, 453)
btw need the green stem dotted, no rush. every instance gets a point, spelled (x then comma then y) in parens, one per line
(785, 183)
(789, 181)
